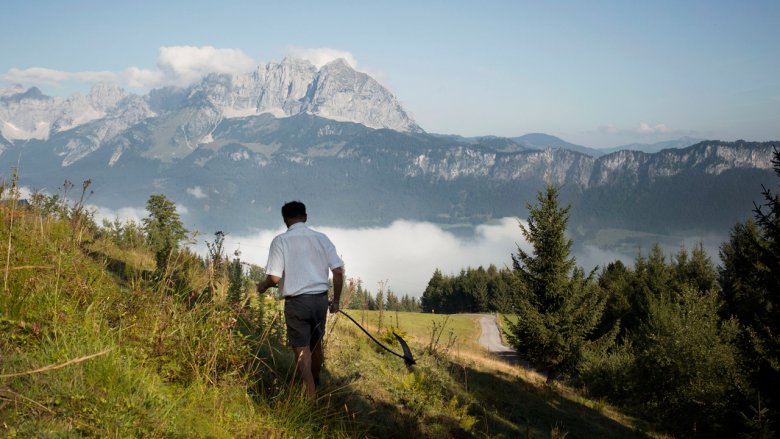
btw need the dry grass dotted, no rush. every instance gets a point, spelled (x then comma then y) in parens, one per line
(55, 366)
(466, 353)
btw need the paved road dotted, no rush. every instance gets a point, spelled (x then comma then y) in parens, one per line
(490, 338)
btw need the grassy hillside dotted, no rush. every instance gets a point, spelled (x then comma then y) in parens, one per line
(94, 345)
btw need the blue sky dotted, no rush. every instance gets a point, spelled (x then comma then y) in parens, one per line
(596, 73)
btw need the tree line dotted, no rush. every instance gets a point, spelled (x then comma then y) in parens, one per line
(473, 290)
(358, 297)
(691, 345)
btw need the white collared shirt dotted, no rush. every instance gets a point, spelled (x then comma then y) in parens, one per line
(302, 258)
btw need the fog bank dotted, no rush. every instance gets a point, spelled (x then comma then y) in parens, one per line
(404, 254)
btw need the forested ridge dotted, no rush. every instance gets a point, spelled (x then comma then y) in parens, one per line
(691, 345)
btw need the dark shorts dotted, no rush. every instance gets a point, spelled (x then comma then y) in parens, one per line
(305, 316)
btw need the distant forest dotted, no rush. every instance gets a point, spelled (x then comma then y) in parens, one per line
(693, 346)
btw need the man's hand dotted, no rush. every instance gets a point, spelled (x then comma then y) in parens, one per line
(270, 281)
(338, 284)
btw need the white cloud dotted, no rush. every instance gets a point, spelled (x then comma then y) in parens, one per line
(608, 129)
(124, 214)
(44, 76)
(321, 55)
(405, 253)
(143, 78)
(196, 192)
(127, 213)
(646, 128)
(643, 129)
(24, 193)
(176, 65)
(188, 64)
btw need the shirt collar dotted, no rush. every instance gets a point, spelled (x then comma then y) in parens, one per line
(296, 226)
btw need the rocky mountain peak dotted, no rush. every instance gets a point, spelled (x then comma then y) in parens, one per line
(12, 90)
(104, 95)
(287, 88)
(18, 95)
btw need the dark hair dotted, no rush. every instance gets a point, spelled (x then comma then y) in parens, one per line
(294, 209)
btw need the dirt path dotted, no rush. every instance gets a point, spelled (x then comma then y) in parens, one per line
(490, 339)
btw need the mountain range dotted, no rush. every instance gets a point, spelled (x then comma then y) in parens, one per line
(232, 148)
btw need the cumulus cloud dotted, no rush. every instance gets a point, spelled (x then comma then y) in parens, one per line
(142, 78)
(321, 55)
(188, 63)
(124, 214)
(176, 65)
(642, 129)
(44, 76)
(196, 192)
(646, 128)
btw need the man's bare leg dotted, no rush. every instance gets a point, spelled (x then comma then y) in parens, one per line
(316, 361)
(303, 364)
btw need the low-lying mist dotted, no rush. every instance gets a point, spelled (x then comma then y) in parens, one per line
(404, 254)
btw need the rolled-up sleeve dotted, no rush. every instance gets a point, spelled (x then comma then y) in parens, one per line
(334, 260)
(275, 265)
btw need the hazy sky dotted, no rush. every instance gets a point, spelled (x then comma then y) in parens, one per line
(597, 73)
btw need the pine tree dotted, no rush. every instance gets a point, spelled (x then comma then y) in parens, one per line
(750, 282)
(557, 305)
(164, 229)
(432, 297)
(686, 368)
(696, 270)
(235, 279)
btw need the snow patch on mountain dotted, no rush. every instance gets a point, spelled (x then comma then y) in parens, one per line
(30, 114)
(187, 117)
(90, 137)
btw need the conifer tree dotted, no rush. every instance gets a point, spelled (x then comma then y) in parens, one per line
(557, 305)
(686, 368)
(432, 297)
(164, 229)
(235, 278)
(750, 282)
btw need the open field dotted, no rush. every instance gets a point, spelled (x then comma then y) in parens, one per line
(462, 330)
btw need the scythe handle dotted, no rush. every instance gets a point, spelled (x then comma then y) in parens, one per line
(408, 360)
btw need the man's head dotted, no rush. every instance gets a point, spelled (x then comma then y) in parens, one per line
(294, 212)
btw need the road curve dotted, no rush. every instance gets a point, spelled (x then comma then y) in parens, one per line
(490, 339)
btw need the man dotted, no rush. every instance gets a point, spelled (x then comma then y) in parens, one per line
(298, 262)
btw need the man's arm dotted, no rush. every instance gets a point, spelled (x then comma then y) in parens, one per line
(268, 282)
(338, 284)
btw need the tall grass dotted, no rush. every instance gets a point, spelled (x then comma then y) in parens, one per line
(88, 351)
(94, 345)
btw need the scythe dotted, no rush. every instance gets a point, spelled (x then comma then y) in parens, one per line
(407, 356)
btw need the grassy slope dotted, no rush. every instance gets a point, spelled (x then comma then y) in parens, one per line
(166, 370)
(505, 400)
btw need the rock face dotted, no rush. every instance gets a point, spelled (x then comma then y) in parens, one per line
(564, 167)
(29, 114)
(337, 138)
(287, 88)
(340, 93)
(189, 116)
